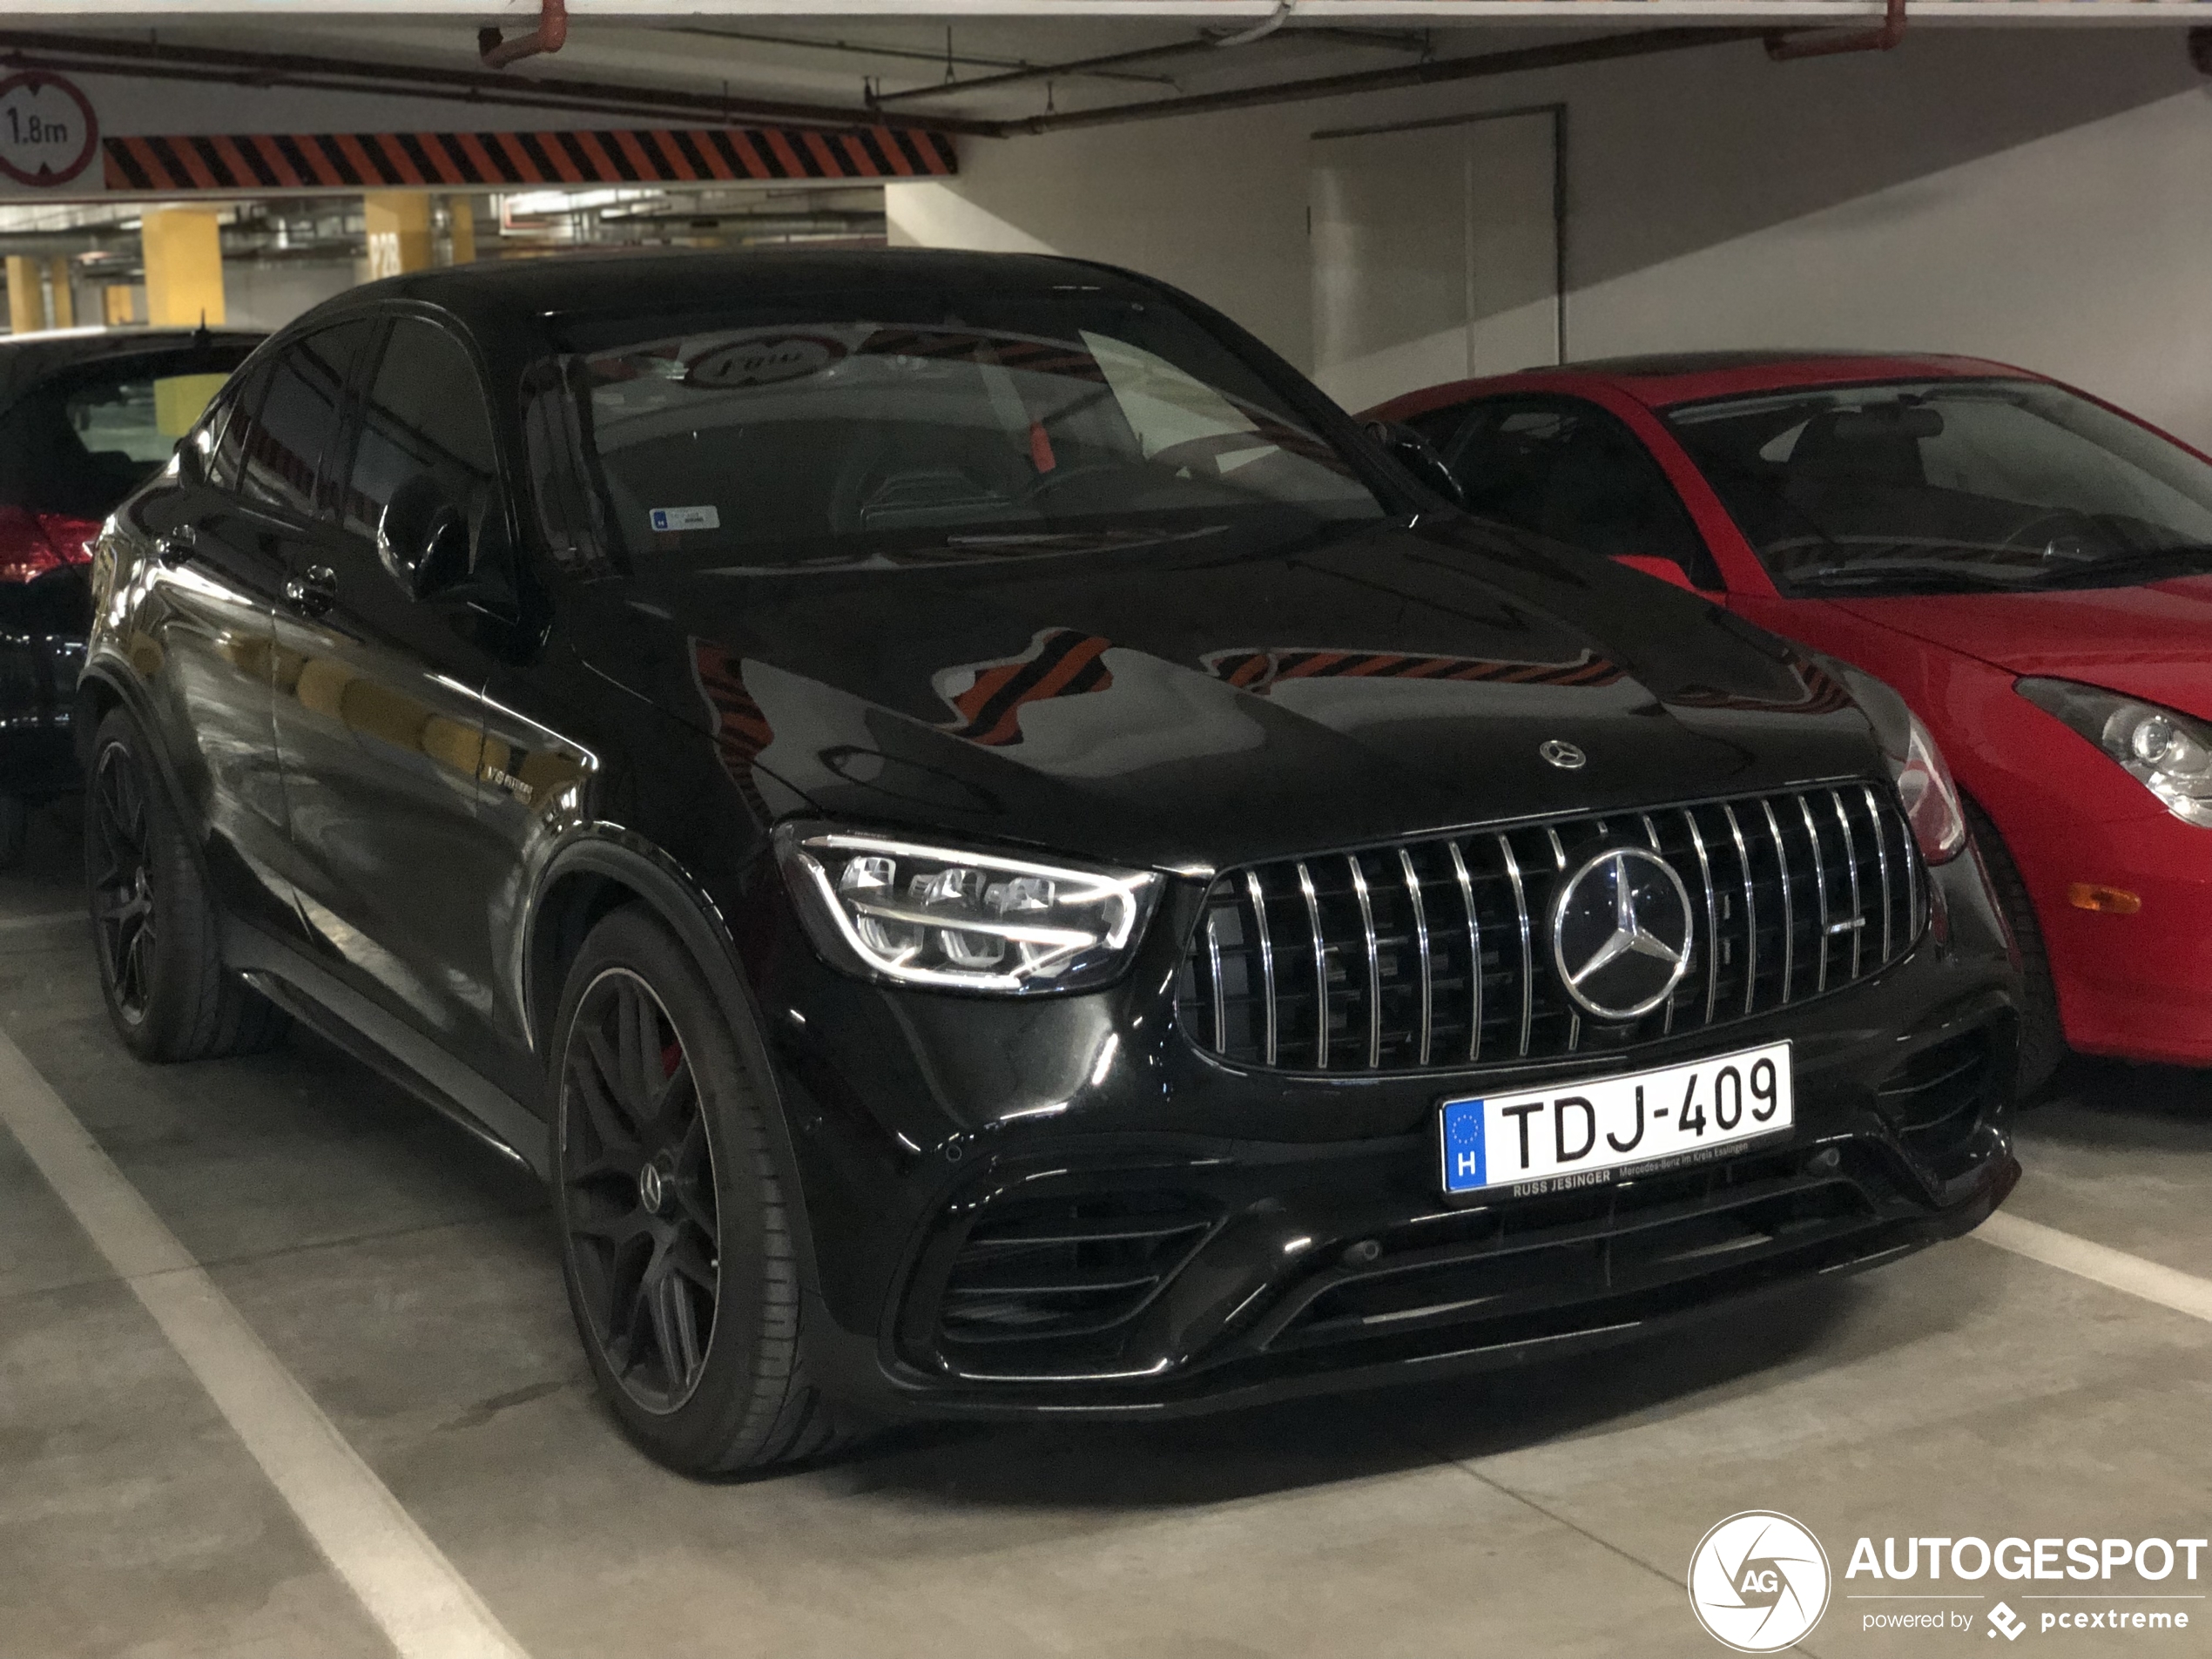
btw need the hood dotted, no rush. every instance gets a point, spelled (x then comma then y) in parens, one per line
(1225, 696)
(2154, 642)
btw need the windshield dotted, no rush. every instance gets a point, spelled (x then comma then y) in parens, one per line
(89, 433)
(782, 435)
(1951, 487)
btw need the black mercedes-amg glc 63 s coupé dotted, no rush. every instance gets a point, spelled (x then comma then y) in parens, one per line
(999, 855)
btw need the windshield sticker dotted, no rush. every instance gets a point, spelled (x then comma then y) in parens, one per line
(686, 518)
(764, 362)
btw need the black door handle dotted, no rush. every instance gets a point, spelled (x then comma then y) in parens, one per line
(313, 591)
(177, 545)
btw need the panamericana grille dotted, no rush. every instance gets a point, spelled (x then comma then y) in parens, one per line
(1438, 953)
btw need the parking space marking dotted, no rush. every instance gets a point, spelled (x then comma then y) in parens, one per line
(2115, 1269)
(51, 919)
(423, 1606)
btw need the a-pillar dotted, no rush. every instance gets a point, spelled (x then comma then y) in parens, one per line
(399, 231)
(184, 256)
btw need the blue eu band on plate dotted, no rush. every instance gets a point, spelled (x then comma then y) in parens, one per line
(1573, 1133)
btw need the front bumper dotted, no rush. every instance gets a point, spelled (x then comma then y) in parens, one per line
(1063, 1206)
(2136, 987)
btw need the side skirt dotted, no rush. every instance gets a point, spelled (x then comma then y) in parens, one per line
(388, 1046)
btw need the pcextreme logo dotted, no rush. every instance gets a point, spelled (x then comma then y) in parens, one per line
(1758, 1582)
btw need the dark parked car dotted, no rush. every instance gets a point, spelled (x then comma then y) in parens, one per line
(998, 860)
(85, 418)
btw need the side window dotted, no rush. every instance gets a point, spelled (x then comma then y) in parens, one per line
(425, 438)
(297, 419)
(1574, 473)
(238, 416)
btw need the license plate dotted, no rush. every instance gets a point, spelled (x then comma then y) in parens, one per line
(1570, 1134)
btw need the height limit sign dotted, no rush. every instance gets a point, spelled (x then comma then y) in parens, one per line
(48, 131)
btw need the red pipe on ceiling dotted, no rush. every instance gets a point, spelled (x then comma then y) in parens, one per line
(550, 35)
(1886, 35)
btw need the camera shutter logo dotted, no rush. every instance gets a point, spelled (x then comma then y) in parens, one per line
(1758, 1582)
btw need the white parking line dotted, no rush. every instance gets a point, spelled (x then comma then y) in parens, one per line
(51, 919)
(2115, 1269)
(425, 1608)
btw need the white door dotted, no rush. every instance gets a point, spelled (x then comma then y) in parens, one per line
(1435, 254)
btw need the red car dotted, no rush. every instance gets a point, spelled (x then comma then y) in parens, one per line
(2031, 567)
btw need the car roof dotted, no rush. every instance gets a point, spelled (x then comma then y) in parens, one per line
(1661, 381)
(661, 279)
(27, 358)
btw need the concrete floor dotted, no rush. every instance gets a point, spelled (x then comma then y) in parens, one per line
(406, 1277)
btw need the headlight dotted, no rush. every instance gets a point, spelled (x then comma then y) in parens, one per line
(919, 915)
(1924, 784)
(2170, 754)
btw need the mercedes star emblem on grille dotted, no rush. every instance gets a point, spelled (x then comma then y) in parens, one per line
(1562, 754)
(1621, 933)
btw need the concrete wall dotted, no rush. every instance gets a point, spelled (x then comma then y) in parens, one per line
(267, 293)
(2034, 195)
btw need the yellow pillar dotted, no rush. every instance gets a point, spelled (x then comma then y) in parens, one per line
(461, 224)
(399, 231)
(184, 252)
(65, 300)
(26, 302)
(115, 304)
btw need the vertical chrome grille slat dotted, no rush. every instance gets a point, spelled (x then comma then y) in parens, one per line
(1712, 917)
(1559, 859)
(1820, 882)
(1321, 970)
(1850, 861)
(1882, 855)
(1266, 960)
(1750, 912)
(1380, 936)
(1651, 834)
(1474, 953)
(1420, 948)
(1374, 961)
(1789, 902)
(1220, 1000)
(1527, 955)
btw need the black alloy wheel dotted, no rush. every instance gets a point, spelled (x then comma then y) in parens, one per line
(124, 919)
(637, 1165)
(157, 927)
(677, 1237)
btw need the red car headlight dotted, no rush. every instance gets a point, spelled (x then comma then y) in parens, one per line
(2168, 754)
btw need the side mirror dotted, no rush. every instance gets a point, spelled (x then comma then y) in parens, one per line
(191, 465)
(1418, 457)
(1664, 569)
(422, 539)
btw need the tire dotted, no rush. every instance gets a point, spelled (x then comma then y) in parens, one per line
(2042, 1035)
(14, 830)
(156, 928)
(675, 1239)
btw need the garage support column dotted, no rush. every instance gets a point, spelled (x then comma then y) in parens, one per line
(461, 227)
(64, 296)
(184, 256)
(26, 299)
(399, 231)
